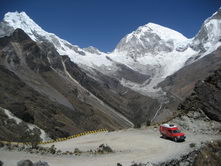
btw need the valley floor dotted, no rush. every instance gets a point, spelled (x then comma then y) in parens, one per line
(138, 145)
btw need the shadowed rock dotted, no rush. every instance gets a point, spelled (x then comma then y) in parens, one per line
(25, 163)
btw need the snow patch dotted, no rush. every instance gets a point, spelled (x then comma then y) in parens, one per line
(11, 116)
(43, 135)
(164, 32)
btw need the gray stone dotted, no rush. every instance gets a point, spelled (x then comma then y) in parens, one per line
(25, 163)
(41, 163)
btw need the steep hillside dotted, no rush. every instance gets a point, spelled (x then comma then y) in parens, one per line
(28, 96)
(41, 87)
(180, 85)
(183, 81)
(206, 97)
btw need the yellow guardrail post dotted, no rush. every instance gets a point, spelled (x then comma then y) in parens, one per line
(59, 139)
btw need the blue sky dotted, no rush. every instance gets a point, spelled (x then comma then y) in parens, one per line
(102, 23)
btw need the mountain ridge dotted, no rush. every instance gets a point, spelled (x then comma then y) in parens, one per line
(150, 54)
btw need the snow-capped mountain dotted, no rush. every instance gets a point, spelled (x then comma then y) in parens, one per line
(151, 38)
(209, 36)
(93, 50)
(152, 52)
(14, 20)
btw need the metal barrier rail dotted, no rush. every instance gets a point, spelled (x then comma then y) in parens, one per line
(59, 139)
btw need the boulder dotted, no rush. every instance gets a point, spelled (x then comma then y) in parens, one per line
(25, 163)
(41, 163)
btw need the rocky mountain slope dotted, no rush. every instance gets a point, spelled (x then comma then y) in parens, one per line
(64, 89)
(22, 86)
(206, 97)
(43, 88)
(208, 155)
(181, 84)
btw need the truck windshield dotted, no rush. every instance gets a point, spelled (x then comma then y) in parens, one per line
(176, 131)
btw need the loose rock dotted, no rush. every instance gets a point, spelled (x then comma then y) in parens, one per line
(25, 163)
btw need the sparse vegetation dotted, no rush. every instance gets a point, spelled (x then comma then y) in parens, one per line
(31, 137)
(209, 155)
(77, 151)
(41, 163)
(148, 123)
(104, 149)
(1, 145)
(137, 125)
(140, 164)
(192, 145)
(52, 149)
(30, 163)
(25, 163)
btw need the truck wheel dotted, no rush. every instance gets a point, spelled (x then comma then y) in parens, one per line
(175, 139)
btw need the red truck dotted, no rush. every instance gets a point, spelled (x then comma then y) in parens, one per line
(171, 131)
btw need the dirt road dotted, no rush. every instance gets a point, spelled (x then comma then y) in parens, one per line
(139, 145)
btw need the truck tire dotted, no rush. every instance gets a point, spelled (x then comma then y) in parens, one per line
(175, 139)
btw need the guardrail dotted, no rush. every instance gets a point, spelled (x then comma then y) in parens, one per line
(59, 139)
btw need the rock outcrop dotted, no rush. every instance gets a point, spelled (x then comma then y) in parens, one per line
(208, 155)
(206, 97)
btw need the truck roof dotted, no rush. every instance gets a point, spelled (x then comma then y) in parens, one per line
(168, 125)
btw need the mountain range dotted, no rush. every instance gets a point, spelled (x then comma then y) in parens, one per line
(63, 89)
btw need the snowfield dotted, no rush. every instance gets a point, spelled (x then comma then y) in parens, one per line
(130, 145)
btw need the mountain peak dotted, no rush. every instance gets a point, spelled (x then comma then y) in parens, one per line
(163, 32)
(14, 20)
(15, 15)
(209, 35)
(23, 21)
(152, 38)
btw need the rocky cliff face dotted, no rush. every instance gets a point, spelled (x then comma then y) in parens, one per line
(206, 96)
(14, 129)
(209, 155)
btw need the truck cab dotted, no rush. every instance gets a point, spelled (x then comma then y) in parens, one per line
(171, 131)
